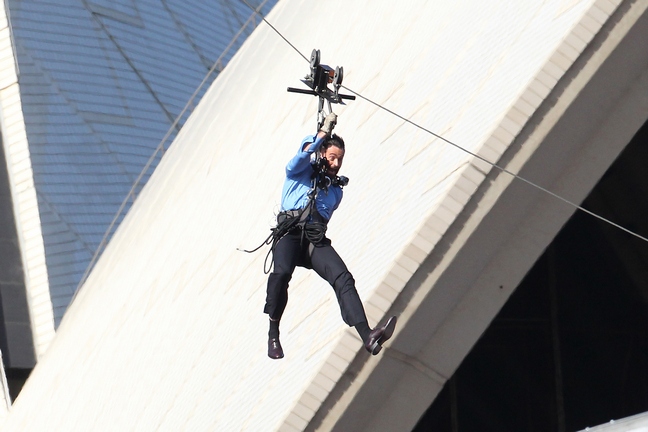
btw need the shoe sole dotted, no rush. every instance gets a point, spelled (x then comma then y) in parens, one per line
(389, 331)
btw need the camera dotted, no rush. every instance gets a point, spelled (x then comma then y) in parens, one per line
(341, 181)
(326, 181)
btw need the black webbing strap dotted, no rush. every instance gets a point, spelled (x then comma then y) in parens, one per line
(286, 222)
(314, 230)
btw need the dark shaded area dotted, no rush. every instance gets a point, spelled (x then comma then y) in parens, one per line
(16, 380)
(16, 340)
(570, 348)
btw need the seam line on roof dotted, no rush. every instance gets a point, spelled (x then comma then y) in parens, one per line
(116, 15)
(174, 17)
(52, 83)
(130, 63)
(62, 220)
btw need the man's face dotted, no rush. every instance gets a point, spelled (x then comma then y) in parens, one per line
(333, 157)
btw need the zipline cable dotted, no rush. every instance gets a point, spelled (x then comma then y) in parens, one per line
(493, 164)
(275, 30)
(502, 169)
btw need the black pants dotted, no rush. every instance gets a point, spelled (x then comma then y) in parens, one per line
(292, 251)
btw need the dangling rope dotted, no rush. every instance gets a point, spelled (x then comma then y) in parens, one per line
(283, 227)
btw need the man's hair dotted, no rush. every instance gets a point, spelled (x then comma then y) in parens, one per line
(333, 140)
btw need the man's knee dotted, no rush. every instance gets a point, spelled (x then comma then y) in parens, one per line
(344, 283)
(349, 300)
(277, 291)
(278, 280)
(277, 294)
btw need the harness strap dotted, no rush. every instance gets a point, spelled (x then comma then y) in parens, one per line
(313, 230)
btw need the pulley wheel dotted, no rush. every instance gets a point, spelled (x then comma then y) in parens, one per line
(315, 59)
(337, 78)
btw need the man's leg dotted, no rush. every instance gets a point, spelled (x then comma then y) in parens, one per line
(285, 255)
(328, 264)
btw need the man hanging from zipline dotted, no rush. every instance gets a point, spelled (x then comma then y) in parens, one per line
(312, 191)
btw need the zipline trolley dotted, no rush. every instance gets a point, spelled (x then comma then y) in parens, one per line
(318, 79)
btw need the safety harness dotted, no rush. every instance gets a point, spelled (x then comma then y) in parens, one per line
(312, 224)
(307, 219)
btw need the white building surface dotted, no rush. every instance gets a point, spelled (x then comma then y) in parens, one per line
(478, 129)
(637, 423)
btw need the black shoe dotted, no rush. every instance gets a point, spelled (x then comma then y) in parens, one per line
(379, 335)
(274, 348)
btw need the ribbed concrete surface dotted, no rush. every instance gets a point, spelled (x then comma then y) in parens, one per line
(168, 334)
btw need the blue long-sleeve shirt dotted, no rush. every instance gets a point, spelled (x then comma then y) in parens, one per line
(299, 180)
